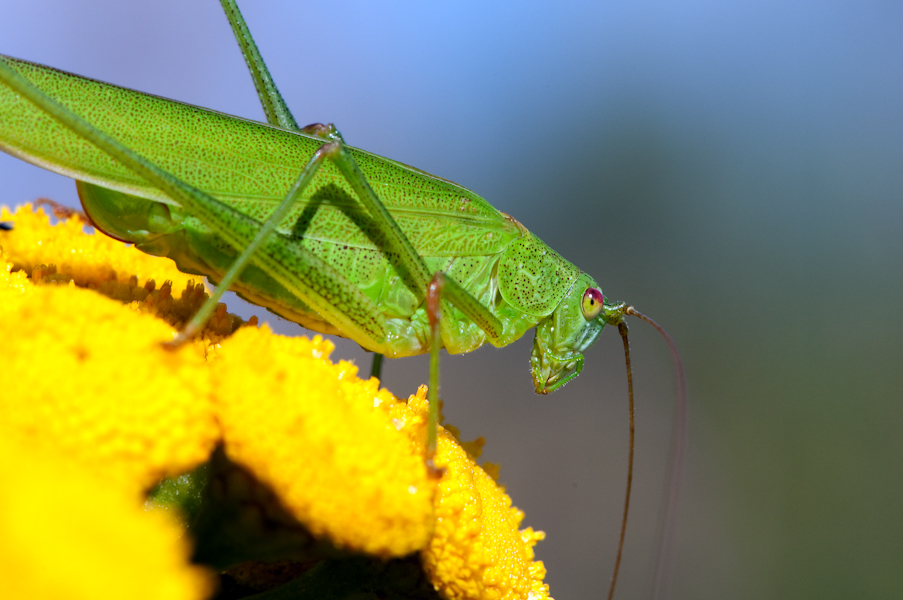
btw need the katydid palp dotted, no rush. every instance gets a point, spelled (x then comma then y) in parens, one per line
(201, 186)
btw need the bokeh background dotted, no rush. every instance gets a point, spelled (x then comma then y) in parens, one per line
(733, 169)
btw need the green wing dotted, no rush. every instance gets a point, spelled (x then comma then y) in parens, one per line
(246, 164)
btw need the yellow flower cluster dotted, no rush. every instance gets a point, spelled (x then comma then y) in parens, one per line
(476, 550)
(323, 440)
(67, 534)
(89, 379)
(64, 253)
(85, 377)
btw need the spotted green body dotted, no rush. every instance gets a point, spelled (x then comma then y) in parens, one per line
(248, 167)
(335, 238)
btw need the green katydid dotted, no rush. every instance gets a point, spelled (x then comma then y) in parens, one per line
(360, 246)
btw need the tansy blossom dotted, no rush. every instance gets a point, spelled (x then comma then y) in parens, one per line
(342, 456)
(319, 437)
(67, 534)
(86, 377)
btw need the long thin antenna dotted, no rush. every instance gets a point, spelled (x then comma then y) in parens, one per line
(668, 517)
(622, 329)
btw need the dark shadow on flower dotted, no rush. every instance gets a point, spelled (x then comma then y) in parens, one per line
(240, 519)
(261, 551)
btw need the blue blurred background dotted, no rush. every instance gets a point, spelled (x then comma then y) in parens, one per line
(733, 169)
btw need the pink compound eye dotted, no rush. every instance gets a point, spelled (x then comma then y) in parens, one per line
(592, 303)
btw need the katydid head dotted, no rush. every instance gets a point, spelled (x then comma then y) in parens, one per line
(563, 337)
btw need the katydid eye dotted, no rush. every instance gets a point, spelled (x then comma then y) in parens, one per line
(592, 303)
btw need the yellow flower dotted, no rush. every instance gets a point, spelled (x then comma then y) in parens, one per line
(90, 379)
(477, 550)
(66, 534)
(323, 441)
(63, 253)
(339, 455)
(89, 260)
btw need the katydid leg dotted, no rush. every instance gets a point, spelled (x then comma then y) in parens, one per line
(397, 242)
(377, 366)
(327, 132)
(200, 318)
(275, 108)
(443, 287)
(434, 312)
(60, 211)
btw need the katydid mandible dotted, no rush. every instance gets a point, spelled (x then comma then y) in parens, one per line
(398, 260)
